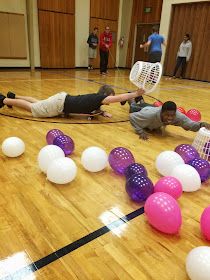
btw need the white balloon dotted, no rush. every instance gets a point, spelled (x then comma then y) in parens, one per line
(188, 176)
(94, 159)
(13, 147)
(198, 263)
(166, 161)
(47, 154)
(62, 171)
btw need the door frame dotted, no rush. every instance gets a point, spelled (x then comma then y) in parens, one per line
(135, 34)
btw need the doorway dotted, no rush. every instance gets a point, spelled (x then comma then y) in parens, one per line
(143, 31)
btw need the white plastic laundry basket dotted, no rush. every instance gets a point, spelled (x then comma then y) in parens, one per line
(146, 75)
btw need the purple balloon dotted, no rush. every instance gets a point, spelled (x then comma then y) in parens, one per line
(120, 158)
(52, 134)
(206, 150)
(65, 143)
(135, 168)
(187, 152)
(139, 187)
(202, 166)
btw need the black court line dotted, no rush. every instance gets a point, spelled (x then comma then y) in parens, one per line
(47, 121)
(35, 266)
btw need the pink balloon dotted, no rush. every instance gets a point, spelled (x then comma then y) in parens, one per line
(157, 103)
(169, 185)
(194, 115)
(205, 223)
(181, 110)
(163, 212)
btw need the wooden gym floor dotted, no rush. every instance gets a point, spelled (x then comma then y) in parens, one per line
(89, 228)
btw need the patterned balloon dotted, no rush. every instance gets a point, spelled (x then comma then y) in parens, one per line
(52, 134)
(187, 152)
(65, 143)
(194, 115)
(120, 158)
(202, 166)
(169, 185)
(181, 110)
(163, 213)
(135, 168)
(139, 187)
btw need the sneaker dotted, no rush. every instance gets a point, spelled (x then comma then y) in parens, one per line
(123, 102)
(139, 99)
(1, 100)
(10, 95)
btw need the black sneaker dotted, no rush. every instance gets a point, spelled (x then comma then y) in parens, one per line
(10, 95)
(123, 102)
(139, 99)
(1, 100)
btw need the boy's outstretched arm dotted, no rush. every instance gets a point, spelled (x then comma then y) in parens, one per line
(122, 97)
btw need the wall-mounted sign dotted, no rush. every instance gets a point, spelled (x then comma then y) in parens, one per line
(147, 9)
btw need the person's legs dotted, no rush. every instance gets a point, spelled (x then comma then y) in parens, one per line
(91, 56)
(102, 61)
(134, 107)
(27, 98)
(155, 57)
(106, 61)
(183, 67)
(178, 63)
(23, 104)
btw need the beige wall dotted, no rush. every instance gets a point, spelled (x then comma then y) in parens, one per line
(36, 34)
(165, 17)
(123, 30)
(82, 14)
(15, 6)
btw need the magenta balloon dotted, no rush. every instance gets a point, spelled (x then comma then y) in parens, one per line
(52, 134)
(169, 185)
(163, 212)
(187, 152)
(120, 158)
(194, 115)
(205, 223)
(65, 143)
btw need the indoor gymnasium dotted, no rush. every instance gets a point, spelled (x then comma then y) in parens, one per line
(105, 139)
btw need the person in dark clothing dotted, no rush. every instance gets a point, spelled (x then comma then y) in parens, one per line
(63, 103)
(92, 51)
(155, 42)
(104, 46)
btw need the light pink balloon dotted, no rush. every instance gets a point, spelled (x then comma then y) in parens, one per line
(163, 212)
(205, 223)
(169, 185)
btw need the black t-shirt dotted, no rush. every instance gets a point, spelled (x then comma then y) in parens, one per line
(83, 104)
(92, 39)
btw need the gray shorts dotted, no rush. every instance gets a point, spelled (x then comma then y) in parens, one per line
(92, 53)
(50, 107)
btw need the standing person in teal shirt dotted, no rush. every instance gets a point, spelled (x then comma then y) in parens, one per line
(155, 42)
(92, 51)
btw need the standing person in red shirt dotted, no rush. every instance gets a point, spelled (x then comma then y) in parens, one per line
(104, 46)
